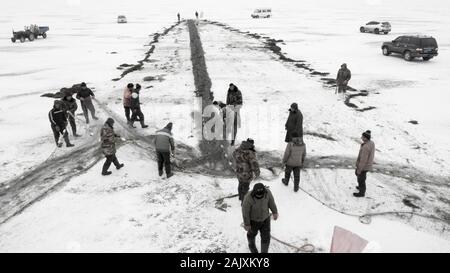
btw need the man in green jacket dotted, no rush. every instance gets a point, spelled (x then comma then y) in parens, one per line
(255, 211)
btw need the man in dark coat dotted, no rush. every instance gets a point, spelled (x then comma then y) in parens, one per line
(343, 76)
(136, 108)
(364, 162)
(164, 145)
(85, 96)
(234, 102)
(294, 123)
(255, 211)
(70, 106)
(247, 167)
(58, 123)
(109, 146)
(178, 15)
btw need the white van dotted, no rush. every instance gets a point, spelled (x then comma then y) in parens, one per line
(121, 19)
(262, 13)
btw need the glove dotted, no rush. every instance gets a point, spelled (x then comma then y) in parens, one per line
(275, 216)
(247, 228)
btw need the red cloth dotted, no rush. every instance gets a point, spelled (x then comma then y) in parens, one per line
(345, 241)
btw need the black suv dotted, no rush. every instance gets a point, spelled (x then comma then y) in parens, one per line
(411, 47)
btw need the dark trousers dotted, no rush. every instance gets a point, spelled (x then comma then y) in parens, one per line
(137, 113)
(287, 175)
(110, 159)
(86, 106)
(164, 161)
(62, 132)
(127, 112)
(264, 229)
(73, 125)
(362, 182)
(342, 88)
(243, 188)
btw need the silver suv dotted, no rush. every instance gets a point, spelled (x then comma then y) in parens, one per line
(376, 27)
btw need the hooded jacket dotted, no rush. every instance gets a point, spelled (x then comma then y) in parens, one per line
(246, 164)
(294, 123)
(343, 75)
(254, 209)
(108, 139)
(234, 97)
(366, 154)
(164, 140)
(295, 153)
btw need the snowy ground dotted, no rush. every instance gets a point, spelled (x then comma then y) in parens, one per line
(134, 210)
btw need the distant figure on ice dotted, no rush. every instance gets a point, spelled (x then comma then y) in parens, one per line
(165, 146)
(178, 15)
(109, 146)
(58, 123)
(196, 15)
(294, 123)
(343, 76)
(234, 103)
(255, 211)
(364, 162)
(294, 157)
(247, 167)
(70, 106)
(136, 108)
(127, 101)
(85, 96)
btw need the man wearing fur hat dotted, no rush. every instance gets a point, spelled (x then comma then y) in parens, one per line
(364, 162)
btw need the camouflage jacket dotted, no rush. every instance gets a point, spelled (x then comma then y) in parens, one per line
(246, 163)
(108, 142)
(70, 105)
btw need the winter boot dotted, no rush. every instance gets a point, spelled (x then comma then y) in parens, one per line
(94, 117)
(144, 126)
(284, 181)
(296, 188)
(75, 134)
(160, 172)
(106, 173)
(59, 145)
(120, 166)
(358, 194)
(69, 145)
(132, 124)
(169, 175)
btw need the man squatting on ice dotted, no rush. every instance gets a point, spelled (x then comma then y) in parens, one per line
(255, 211)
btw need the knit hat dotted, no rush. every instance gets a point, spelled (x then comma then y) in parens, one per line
(110, 121)
(259, 190)
(169, 126)
(138, 86)
(251, 141)
(367, 134)
(83, 84)
(130, 85)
